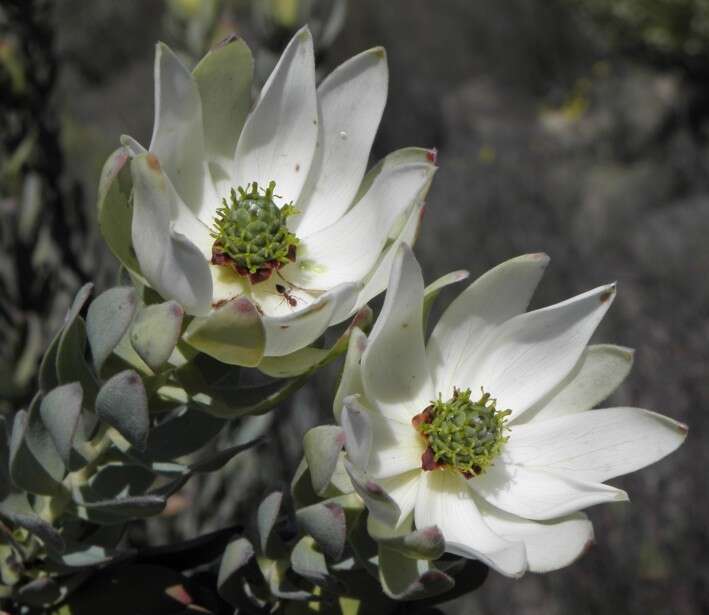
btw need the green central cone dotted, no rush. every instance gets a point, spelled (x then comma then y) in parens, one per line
(251, 235)
(462, 434)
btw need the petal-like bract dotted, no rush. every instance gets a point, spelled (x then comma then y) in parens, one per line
(549, 451)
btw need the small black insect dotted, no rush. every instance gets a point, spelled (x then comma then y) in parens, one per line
(286, 294)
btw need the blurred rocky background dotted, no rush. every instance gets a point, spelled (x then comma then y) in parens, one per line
(576, 127)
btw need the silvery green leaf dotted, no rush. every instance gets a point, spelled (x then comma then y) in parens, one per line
(403, 578)
(294, 364)
(322, 446)
(48, 368)
(132, 506)
(35, 525)
(233, 333)
(35, 465)
(125, 357)
(201, 372)
(47, 376)
(183, 432)
(327, 524)
(364, 547)
(80, 556)
(238, 553)
(43, 591)
(301, 487)
(122, 403)
(379, 503)
(172, 486)
(107, 320)
(431, 292)
(307, 561)
(115, 210)
(357, 427)
(266, 517)
(117, 479)
(340, 481)
(218, 460)
(61, 412)
(107, 536)
(425, 543)
(46, 591)
(280, 585)
(71, 359)
(256, 399)
(155, 332)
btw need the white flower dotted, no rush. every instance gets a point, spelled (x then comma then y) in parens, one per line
(308, 239)
(504, 481)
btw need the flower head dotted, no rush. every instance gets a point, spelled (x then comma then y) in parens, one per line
(259, 219)
(486, 431)
(251, 234)
(461, 433)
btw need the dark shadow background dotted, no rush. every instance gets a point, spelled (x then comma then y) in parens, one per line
(556, 133)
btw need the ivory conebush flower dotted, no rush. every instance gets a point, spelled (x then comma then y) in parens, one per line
(261, 221)
(486, 431)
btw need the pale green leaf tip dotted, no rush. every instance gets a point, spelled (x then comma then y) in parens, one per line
(541, 257)
(379, 52)
(304, 34)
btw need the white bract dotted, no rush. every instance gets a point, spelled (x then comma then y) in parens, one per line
(503, 477)
(271, 283)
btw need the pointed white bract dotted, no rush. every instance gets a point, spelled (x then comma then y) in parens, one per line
(314, 144)
(522, 511)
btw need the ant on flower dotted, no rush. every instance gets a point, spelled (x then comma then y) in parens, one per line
(287, 296)
(286, 292)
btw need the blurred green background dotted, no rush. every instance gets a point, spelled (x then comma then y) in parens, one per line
(575, 127)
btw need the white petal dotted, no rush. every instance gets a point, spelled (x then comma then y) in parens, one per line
(134, 148)
(378, 501)
(178, 140)
(536, 494)
(227, 284)
(550, 545)
(530, 354)
(278, 139)
(596, 445)
(172, 264)
(394, 368)
(379, 279)
(399, 157)
(223, 78)
(396, 448)
(349, 249)
(351, 378)
(457, 339)
(446, 501)
(403, 489)
(277, 297)
(405, 232)
(352, 100)
(357, 427)
(286, 334)
(600, 371)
